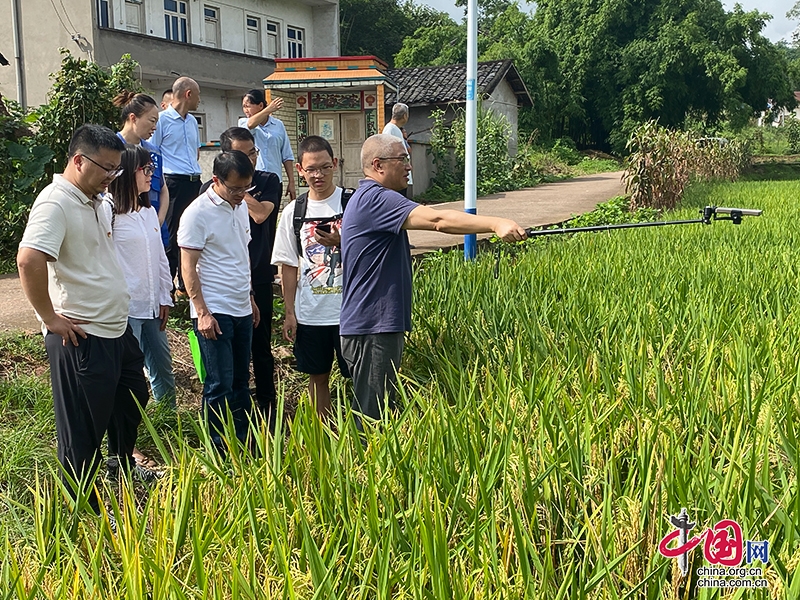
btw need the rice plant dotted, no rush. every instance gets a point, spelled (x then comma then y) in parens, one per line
(553, 417)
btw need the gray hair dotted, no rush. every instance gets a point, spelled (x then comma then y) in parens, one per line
(378, 146)
(399, 111)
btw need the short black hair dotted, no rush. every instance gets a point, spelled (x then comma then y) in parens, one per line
(90, 139)
(233, 134)
(313, 143)
(233, 162)
(256, 96)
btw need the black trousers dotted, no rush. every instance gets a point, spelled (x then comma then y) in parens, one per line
(96, 385)
(181, 194)
(263, 361)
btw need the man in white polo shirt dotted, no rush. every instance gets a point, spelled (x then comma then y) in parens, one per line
(213, 236)
(70, 274)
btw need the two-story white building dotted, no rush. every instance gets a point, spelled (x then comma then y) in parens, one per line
(228, 46)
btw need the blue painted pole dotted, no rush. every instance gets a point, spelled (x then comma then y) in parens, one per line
(471, 144)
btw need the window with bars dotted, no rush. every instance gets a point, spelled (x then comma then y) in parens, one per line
(211, 15)
(253, 35)
(296, 38)
(176, 24)
(273, 39)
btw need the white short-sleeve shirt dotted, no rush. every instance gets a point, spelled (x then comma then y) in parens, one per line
(85, 281)
(221, 232)
(318, 300)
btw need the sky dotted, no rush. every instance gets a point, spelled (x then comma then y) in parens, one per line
(778, 28)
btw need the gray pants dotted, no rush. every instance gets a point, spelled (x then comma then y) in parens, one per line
(373, 361)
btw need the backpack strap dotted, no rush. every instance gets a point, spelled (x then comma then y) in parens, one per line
(300, 208)
(347, 193)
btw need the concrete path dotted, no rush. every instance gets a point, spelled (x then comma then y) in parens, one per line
(542, 205)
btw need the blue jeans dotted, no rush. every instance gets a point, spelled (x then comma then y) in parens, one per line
(157, 358)
(227, 385)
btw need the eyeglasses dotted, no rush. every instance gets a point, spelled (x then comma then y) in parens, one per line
(147, 170)
(318, 172)
(254, 152)
(237, 191)
(405, 158)
(111, 173)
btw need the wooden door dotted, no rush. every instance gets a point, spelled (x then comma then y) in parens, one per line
(326, 125)
(353, 135)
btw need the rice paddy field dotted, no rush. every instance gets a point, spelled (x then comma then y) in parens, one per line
(559, 406)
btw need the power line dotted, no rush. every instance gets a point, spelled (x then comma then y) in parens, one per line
(66, 14)
(59, 18)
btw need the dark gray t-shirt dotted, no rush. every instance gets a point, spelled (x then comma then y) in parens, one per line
(376, 293)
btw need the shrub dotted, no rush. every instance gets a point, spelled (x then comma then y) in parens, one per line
(793, 134)
(22, 164)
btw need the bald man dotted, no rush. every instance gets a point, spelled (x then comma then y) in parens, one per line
(376, 258)
(178, 138)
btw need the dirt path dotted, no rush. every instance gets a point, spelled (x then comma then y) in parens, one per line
(542, 205)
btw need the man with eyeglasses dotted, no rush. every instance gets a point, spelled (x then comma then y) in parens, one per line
(70, 274)
(311, 271)
(263, 204)
(213, 236)
(376, 299)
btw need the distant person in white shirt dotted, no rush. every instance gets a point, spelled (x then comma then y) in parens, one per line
(395, 128)
(307, 250)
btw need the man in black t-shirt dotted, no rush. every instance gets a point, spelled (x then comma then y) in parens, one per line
(263, 203)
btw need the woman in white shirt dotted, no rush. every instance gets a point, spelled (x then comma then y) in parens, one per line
(141, 255)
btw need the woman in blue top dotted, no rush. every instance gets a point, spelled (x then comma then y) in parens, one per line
(274, 149)
(139, 119)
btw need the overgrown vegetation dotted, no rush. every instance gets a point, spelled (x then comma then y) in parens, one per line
(554, 417)
(33, 146)
(661, 163)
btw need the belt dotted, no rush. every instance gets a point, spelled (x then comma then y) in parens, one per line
(182, 177)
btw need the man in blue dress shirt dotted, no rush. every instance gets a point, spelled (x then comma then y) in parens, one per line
(178, 138)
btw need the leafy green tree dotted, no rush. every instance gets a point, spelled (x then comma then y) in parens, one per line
(82, 93)
(378, 27)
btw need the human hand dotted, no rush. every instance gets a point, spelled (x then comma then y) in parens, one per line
(163, 314)
(508, 231)
(208, 327)
(289, 327)
(275, 105)
(67, 328)
(256, 312)
(290, 191)
(328, 239)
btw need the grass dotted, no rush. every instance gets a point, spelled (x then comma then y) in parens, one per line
(554, 416)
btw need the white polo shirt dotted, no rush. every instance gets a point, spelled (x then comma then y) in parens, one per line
(221, 232)
(85, 281)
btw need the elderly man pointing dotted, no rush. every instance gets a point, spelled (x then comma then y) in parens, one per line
(376, 295)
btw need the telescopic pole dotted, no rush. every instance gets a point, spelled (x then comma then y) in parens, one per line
(471, 144)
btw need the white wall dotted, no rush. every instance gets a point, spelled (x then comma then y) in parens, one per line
(232, 22)
(503, 102)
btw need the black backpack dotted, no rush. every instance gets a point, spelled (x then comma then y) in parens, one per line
(300, 208)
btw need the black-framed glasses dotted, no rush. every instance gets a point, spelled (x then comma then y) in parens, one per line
(405, 158)
(318, 171)
(148, 169)
(237, 191)
(112, 173)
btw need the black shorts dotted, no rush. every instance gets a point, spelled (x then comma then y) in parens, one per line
(314, 348)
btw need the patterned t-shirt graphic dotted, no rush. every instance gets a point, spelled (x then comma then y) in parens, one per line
(324, 272)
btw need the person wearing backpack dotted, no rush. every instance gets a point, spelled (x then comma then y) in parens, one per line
(308, 253)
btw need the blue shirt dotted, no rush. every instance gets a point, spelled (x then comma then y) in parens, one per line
(376, 293)
(273, 145)
(156, 183)
(178, 139)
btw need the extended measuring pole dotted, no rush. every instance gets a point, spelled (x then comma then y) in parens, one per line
(709, 214)
(471, 144)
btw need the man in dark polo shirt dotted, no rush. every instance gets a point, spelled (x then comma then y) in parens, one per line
(263, 203)
(178, 138)
(376, 300)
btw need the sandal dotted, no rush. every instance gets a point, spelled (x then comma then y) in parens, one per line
(144, 461)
